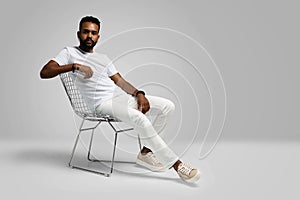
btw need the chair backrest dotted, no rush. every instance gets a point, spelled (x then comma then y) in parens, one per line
(76, 99)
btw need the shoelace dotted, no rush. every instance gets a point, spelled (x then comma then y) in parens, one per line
(185, 169)
(152, 158)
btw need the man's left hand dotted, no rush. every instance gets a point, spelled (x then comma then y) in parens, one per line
(143, 103)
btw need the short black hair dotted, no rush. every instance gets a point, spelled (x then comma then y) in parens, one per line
(89, 19)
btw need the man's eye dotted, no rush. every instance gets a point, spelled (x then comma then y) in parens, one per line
(94, 32)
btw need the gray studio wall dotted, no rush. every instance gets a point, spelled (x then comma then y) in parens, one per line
(254, 43)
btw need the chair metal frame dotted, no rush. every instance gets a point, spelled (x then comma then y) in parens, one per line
(83, 111)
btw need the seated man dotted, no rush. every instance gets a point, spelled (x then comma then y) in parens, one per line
(97, 78)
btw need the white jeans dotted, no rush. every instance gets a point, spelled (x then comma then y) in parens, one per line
(124, 107)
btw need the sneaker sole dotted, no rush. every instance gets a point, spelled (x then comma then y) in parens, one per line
(150, 167)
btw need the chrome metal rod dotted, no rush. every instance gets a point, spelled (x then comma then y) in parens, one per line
(86, 129)
(116, 161)
(114, 151)
(112, 126)
(90, 170)
(90, 128)
(91, 140)
(123, 130)
(76, 142)
(90, 145)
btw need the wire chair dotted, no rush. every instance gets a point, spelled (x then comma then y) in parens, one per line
(83, 111)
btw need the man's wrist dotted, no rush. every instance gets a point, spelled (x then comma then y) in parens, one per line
(139, 92)
(74, 67)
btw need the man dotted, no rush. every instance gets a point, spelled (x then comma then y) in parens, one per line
(97, 78)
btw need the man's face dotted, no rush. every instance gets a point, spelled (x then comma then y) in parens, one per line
(88, 35)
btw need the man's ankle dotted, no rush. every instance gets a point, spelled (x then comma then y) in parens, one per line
(145, 150)
(176, 164)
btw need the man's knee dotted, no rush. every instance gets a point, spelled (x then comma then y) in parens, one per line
(169, 106)
(139, 119)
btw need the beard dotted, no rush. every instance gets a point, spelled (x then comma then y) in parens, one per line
(87, 43)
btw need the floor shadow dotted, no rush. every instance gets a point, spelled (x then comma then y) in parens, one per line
(60, 158)
(42, 156)
(153, 175)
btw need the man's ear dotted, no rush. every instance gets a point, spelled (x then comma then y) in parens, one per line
(78, 33)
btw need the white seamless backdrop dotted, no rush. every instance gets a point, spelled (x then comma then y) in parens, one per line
(254, 44)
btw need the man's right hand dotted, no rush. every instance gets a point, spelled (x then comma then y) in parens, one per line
(52, 69)
(84, 69)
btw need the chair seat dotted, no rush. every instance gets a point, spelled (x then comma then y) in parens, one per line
(97, 117)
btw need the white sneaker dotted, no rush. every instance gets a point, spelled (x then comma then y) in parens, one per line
(150, 162)
(187, 173)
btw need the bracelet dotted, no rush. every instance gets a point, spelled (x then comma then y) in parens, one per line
(74, 67)
(140, 92)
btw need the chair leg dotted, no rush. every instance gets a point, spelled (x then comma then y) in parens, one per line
(90, 146)
(112, 161)
(74, 149)
(114, 151)
(75, 145)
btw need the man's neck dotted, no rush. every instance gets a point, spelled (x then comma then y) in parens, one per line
(86, 49)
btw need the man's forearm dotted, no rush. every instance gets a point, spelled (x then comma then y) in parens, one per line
(123, 84)
(127, 87)
(52, 69)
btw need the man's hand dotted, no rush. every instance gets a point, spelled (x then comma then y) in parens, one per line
(88, 72)
(143, 103)
(52, 69)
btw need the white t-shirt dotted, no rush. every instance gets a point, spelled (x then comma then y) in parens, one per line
(99, 87)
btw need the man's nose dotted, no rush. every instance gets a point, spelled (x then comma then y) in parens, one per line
(89, 35)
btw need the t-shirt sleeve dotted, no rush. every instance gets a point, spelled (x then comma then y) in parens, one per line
(63, 57)
(111, 69)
